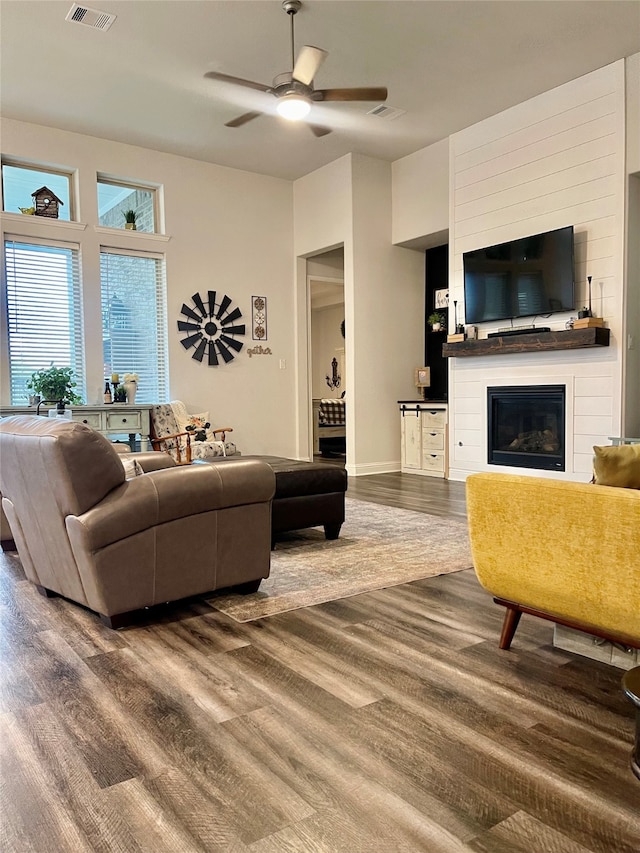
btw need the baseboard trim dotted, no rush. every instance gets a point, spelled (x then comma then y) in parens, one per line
(372, 468)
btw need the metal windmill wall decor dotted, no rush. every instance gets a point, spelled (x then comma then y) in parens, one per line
(212, 328)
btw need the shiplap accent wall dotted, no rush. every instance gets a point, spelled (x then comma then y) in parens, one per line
(555, 160)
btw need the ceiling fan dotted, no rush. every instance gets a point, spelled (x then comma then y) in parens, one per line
(294, 89)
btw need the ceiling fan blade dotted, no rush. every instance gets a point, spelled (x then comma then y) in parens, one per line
(239, 81)
(317, 130)
(243, 119)
(373, 93)
(309, 60)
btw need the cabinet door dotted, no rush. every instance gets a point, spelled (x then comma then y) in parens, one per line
(411, 448)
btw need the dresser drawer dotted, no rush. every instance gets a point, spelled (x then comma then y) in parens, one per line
(434, 419)
(432, 441)
(127, 421)
(92, 419)
(433, 462)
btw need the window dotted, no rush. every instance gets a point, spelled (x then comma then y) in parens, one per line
(44, 311)
(134, 320)
(20, 181)
(115, 199)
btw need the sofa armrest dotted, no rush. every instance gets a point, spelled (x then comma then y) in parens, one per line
(151, 460)
(170, 494)
(569, 549)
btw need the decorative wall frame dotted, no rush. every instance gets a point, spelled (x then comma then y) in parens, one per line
(212, 328)
(259, 318)
(422, 377)
(441, 298)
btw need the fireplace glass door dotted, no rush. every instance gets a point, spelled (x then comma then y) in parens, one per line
(526, 426)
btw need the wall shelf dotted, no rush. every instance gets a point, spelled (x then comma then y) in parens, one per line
(532, 342)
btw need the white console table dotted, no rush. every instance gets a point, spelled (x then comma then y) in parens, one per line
(113, 419)
(424, 444)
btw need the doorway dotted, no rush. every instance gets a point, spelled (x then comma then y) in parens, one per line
(327, 354)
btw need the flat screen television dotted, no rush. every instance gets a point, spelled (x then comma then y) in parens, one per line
(529, 277)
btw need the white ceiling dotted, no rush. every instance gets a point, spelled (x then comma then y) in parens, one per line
(447, 64)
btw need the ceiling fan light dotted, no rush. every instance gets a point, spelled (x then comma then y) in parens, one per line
(293, 107)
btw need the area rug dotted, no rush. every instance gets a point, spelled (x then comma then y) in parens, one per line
(379, 547)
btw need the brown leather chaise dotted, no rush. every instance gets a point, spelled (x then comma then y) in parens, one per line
(115, 545)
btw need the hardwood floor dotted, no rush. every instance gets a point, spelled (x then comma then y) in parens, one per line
(389, 722)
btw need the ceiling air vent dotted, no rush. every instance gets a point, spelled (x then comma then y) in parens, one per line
(90, 17)
(383, 111)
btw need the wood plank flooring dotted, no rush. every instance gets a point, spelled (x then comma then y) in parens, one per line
(389, 722)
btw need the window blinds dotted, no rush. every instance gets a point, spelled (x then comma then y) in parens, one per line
(134, 319)
(44, 311)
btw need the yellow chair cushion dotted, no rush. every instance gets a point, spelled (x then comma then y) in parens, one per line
(617, 466)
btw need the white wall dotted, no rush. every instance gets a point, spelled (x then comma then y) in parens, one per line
(348, 203)
(555, 160)
(631, 426)
(327, 340)
(420, 197)
(228, 230)
(387, 310)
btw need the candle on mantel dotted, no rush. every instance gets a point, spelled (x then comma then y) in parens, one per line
(115, 377)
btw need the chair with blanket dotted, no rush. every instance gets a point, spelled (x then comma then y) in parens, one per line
(187, 437)
(329, 427)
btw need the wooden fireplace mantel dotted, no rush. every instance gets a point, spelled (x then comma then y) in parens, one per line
(532, 342)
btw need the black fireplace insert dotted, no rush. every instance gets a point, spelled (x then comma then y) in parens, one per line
(526, 427)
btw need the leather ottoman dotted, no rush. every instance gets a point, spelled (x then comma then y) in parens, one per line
(308, 494)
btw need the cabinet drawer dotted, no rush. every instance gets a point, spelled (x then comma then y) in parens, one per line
(127, 421)
(433, 462)
(432, 441)
(434, 419)
(93, 420)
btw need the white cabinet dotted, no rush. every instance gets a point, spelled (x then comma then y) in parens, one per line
(424, 438)
(114, 419)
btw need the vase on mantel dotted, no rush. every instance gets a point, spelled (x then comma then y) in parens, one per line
(130, 389)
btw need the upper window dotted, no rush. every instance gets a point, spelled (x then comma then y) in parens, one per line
(134, 320)
(21, 182)
(44, 311)
(126, 206)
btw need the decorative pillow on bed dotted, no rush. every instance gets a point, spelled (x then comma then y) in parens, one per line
(618, 465)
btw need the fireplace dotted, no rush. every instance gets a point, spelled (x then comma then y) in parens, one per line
(526, 426)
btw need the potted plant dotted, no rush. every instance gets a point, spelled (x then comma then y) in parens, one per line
(436, 321)
(54, 385)
(129, 219)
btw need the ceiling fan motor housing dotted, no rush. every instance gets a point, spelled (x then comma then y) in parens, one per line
(284, 84)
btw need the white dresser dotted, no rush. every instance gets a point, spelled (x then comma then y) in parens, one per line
(114, 419)
(424, 445)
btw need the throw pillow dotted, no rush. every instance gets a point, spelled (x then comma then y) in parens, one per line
(618, 465)
(131, 467)
(198, 425)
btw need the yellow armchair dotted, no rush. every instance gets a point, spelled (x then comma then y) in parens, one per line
(564, 551)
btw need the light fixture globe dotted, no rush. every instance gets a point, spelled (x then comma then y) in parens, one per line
(293, 107)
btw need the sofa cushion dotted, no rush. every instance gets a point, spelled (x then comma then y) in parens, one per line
(617, 465)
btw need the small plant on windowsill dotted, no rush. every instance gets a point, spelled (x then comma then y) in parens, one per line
(436, 321)
(130, 217)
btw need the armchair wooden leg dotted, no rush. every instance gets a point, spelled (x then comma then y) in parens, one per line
(509, 626)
